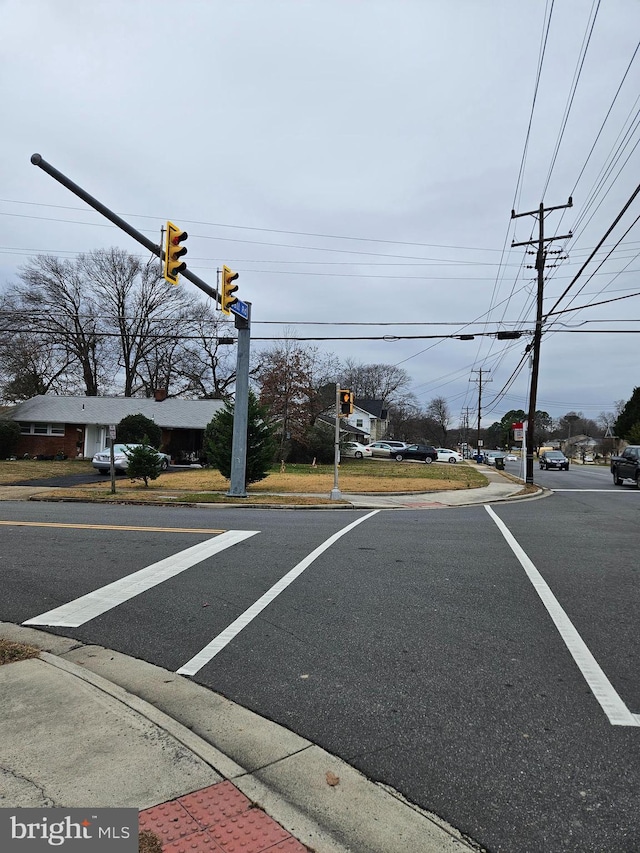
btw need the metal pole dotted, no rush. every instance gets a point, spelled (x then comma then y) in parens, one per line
(37, 160)
(238, 486)
(335, 491)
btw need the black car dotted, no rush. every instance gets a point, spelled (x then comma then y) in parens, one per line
(421, 452)
(554, 459)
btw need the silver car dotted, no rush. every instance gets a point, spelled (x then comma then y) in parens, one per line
(102, 460)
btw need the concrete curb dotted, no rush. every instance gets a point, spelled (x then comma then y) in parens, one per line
(282, 773)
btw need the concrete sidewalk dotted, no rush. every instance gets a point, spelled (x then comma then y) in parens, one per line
(83, 726)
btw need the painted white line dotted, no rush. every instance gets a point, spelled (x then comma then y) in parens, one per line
(224, 638)
(621, 491)
(95, 603)
(601, 687)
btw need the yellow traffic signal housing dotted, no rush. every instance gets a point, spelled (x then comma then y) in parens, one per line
(346, 402)
(173, 251)
(228, 289)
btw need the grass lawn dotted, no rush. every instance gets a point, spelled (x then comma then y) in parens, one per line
(366, 476)
(37, 469)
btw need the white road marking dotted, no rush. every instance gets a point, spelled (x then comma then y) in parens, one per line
(224, 638)
(95, 603)
(619, 491)
(601, 687)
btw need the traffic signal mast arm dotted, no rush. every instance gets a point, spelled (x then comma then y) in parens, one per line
(77, 190)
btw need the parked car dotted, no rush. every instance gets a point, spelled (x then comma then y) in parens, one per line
(102, 460)
(355, 450)
(420, 452)
(554, 459)
(393, 443)
(380, 448)
(445, 455)
(510, 457)
(490, 456)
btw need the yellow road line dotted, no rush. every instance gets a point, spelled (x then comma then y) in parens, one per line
(202, 530)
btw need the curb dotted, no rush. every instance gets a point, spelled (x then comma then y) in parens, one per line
(283, 774)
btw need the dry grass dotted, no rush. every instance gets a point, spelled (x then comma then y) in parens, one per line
(36, 469)
(148, 842)
(303, 483)
(11, 652)
(299, 484)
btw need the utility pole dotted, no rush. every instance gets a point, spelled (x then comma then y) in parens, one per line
(541, 257)
(480, 372)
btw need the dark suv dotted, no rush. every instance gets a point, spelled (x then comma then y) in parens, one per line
(554, 459)
(421, 452)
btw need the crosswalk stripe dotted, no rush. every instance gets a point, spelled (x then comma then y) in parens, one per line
(95, 603)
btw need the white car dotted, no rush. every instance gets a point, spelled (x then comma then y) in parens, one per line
(445, 455)
(102, 460)
(355, 450)
(381, 448)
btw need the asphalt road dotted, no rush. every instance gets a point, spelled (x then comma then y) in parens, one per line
(482, 662)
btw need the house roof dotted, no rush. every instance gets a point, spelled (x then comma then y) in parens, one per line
(171, 413)
(345, 426)
(372, 407)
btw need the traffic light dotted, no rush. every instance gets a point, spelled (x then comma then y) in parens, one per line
(346, 402)
(173, 251)
(228, 289)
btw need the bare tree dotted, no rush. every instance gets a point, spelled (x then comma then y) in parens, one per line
(291, 380)
(384, 382)
(438, 412)
(206, 368)
(53, 304)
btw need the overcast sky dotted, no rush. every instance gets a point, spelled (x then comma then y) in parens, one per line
(356, 161)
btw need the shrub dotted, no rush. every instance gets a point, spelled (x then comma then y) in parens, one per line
(9, 437)
(138, 429)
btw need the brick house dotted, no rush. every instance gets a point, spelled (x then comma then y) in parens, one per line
(77, 427)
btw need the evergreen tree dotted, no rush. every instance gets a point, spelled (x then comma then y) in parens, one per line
(9, 437)
(143, 463)
(629, 417)
(218, 438)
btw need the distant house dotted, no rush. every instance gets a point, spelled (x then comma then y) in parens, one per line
(77, 427)
(371, 417)
(368, 422)
(581, 447)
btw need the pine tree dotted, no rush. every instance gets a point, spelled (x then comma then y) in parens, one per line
(218, 438)
(143, 463)
(629, 417)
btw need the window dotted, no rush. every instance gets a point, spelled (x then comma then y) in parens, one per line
(359, 423)
(41, 429)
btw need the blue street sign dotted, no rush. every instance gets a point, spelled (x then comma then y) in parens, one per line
(240, 308)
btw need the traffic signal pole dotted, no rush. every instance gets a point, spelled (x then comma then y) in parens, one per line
(240, 415)
(335, 491)
(237, 485)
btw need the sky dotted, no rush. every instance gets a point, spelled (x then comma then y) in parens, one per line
(356, 162)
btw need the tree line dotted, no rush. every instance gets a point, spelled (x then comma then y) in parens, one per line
(107, 323)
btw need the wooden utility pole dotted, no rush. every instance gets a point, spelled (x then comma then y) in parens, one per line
(480, 372)
(541, 257)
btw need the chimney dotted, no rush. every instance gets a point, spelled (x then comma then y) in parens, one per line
(160, 394)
